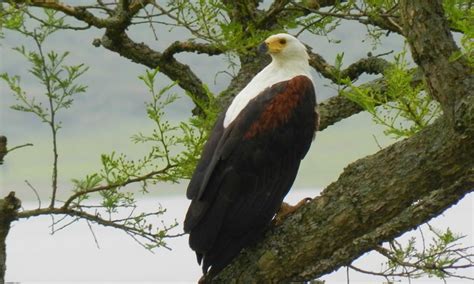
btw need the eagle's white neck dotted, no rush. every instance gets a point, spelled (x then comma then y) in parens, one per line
(277, 71)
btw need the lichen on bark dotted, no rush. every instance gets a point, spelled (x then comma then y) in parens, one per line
(8, 209)
(381, 196)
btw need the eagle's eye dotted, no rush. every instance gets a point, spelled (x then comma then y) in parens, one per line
(282, 41)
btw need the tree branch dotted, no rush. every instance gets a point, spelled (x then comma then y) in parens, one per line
(143, 54)
(340, 107)
(110, 186)
(434, 56)
(8, 209)
(79, 12)
(4, 150)
(369, 65)
(190, 46)
(422, 176)
(385, 21)
(122, 224)
(115, 39)
(361, 210)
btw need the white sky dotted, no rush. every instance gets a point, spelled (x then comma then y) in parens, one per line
(71, 255)
(103, 119)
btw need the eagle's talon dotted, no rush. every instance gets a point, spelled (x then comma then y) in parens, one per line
(287, 209)
(248, 162)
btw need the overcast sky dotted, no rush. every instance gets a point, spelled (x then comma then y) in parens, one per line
(103, 119)
(112, 109)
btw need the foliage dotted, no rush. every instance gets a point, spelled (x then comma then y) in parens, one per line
(174, 152)
(51, 72)
(438, 258)
(11, 17)
(460, 13)
(403, 109)
(417, 257)
(235, 27)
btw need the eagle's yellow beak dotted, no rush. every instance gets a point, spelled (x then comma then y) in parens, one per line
(272, 45)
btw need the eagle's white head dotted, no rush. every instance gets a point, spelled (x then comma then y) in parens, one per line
(290, 59)
(284, 47)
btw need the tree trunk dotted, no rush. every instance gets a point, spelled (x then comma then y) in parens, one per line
(380, 197)
(8, 209)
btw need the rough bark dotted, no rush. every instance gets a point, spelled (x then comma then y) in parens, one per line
(8, 208)
(3, 148)
(250, 65)
(384, 195)
(340, 107)
(140, 53)
(115, 39)
(376, 199)
(432, 46)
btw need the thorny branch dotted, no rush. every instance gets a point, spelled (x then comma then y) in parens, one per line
(148, 176)
(127, 225)
(443, 257)
(369, 65)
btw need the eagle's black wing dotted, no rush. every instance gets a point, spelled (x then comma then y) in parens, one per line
(247, 169)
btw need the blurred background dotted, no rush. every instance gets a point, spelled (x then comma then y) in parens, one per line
(112, 110)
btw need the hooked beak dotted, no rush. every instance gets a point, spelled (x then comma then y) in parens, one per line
(263, 48)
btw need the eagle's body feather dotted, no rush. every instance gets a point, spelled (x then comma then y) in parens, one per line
(250, 162)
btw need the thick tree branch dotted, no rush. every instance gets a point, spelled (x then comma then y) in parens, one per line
(422, 176)
(337, 107)
(8, 208)
(340, 107)
(362, 210)
(143, 54)
(369, 65)
(115, 39)
(190, 46)
(249, 66)
(434, 56)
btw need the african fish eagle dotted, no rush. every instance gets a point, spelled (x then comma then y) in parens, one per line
(252, 156)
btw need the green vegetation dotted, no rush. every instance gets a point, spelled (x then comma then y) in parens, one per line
(404, 108)
(398, 99)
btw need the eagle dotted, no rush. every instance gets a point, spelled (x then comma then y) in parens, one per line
(252, 156)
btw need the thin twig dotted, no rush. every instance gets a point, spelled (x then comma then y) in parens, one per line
(107, 187)
(18, 147)
(377, 142)
(65, 27)
(35, 191)
(176, 235)
(52, 121)
(93, 234)
(64, 226)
